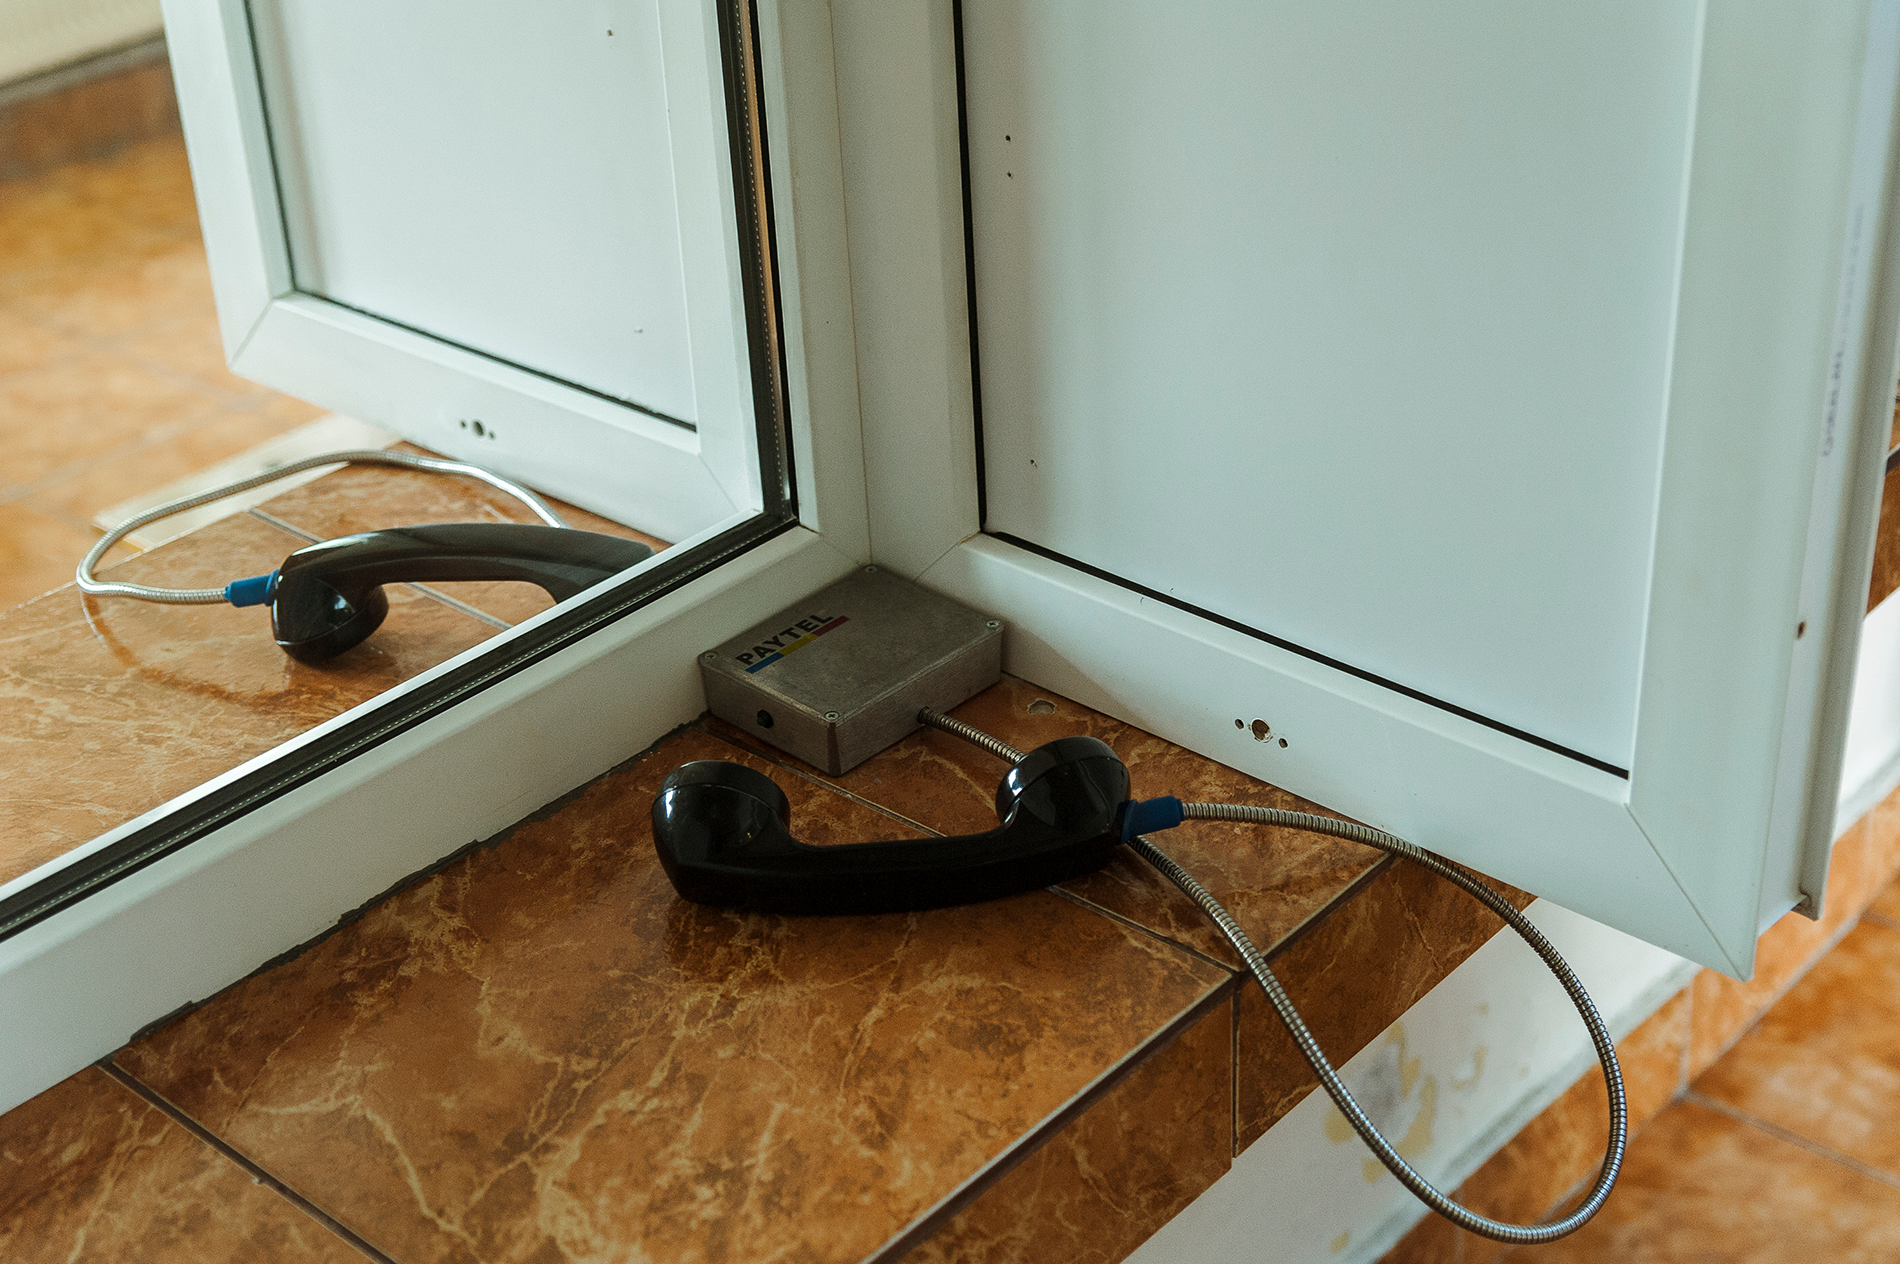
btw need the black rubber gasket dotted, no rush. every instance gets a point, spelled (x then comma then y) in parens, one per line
(1281, 642)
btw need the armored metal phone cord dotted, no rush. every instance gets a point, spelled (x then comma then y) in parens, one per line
(1256, 961)
(355, 456)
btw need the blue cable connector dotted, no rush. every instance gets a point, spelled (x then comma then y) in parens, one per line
(255, 591)
(1148, 816)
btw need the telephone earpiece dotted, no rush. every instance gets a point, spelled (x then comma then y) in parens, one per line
(328, 597)
(723, 834)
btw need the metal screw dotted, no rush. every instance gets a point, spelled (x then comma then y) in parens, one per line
(831, 717)
(870, 570)
(710, 655)
(994, 623)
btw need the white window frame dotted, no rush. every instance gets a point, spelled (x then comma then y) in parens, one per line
(1693, 852)
(1727, 818)
(422, 387)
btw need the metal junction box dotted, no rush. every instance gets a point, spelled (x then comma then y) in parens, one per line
(840, 676)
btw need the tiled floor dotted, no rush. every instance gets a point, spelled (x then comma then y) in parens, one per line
(1785, 1148)
(112, 377)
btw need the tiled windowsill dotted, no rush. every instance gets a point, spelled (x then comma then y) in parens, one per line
(540, 1052)
(111, 707)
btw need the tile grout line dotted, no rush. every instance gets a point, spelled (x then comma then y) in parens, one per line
(1061, 892)
(1788, 985)
(1792, 1138)
(777, 761)
(1880, 919)
(257, 1173)
(926, 1224)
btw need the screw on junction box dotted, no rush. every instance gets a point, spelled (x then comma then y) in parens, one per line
(841, 675)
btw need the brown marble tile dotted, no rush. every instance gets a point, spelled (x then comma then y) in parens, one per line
(1272, 880)
(25, 345)
(364, 498)
(1350, 974)
(1886, 574)
(162, 278)
(110, 707)
(1701, 1186)
(47, 224)
(542, 1053)
(1824, 1063)
(1433, 1240)
(191, 349)
(146, 184)
(86, 119)
(1886, 905)
(1883, 850)
(90, 1171)
(88, 406)
(1562, 1147)
(109, 481)
(37, 552)
(1725, 1008)
(1127, 1166)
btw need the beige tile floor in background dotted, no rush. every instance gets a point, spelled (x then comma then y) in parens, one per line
(112, 377)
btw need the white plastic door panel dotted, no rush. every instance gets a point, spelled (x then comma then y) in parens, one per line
(544, 227)
(1349, 322)
(1488, 398)
(509, 233)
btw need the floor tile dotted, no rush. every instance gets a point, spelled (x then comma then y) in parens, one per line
(90, 1171)
(190, 347)
(165, 697)
(1887, 903)
(37, 552)
(1272, 880)
(1126, 1167)
(1883, 840)
(25, 345)
(147, 184)
(107, 482)
(87, 407)
(145, 282)
(45, 225)
(1699, 1186)
(1824, 1063)
(542, 1053)
(1725, 1007)
(365, 498)
(1433, 1240)
(1407, 930)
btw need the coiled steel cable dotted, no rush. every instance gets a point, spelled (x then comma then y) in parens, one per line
(354, 456)
(1303, 1037)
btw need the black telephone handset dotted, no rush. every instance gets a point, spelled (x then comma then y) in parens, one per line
(328, 597)
(722, 831)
